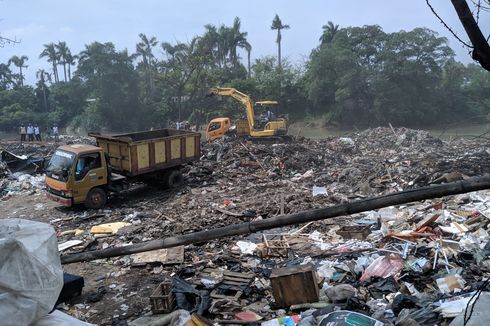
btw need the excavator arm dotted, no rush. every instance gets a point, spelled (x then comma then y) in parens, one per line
(244, 99)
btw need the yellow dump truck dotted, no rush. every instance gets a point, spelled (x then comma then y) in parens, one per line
(87, 174)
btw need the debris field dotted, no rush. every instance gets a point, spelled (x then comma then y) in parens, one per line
(418, 263)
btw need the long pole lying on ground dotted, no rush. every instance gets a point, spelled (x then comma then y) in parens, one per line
(358, 206)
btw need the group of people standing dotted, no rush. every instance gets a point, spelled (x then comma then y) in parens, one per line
(33, 132)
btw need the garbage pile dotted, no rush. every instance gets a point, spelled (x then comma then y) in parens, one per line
(412, 264)
(370, 162)
(418, 264)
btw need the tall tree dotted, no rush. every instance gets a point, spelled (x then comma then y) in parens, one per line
(248, 47)
(144, 49)
(111, 79)
(63, 51)
(278, 25)
(236, 39)
(43, 76)
(329, 32)
(19, 62)
(70, 61)
(5, 76)
(51, 54)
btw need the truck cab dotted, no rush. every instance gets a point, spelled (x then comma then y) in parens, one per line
(217, 128)
(78, 174)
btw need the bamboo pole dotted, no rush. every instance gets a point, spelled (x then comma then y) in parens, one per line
(358, 206)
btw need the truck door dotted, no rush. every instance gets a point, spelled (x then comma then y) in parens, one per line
(89, 172)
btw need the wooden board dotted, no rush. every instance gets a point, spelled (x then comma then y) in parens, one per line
(168, 256)
(294, 285)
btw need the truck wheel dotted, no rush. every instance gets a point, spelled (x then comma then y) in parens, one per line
(173, 179)
(96, 198)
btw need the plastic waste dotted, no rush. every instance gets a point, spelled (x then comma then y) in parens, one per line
(246, 247)
(383, 266)
(449, 283)
(58, 318)
(347, 318)
(188, 298)
(479, 316)
(319, 191)
(283, 321)
(31, 276)
(341, 292)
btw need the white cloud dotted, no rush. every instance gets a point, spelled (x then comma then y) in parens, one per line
(27, 30)
(66, 29)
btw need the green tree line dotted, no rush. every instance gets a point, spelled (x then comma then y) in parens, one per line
(356, 76)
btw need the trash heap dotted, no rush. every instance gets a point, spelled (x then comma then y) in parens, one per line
(413, 264)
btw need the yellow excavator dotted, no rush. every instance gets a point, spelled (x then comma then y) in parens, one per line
(267, 127)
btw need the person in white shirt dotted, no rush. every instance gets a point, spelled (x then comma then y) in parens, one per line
(56, 133)
(30, 132)
(37, 133)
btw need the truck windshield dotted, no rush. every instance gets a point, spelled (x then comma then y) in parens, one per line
(60, 162)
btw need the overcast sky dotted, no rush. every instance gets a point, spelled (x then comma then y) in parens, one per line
(37, 22)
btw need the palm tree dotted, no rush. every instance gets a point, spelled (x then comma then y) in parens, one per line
(211, 44)
(70, 61)
(144, 49)
(329, 32)
(19, 62)
(5, 76)
(236, 39)
(277, 25)
(43, 76)
(248, 47)
(52, 55)
(63, 52)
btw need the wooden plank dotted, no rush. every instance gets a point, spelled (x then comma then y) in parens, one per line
(151, 153)
(143, 156)
(189, 146)
(160, 156)
(244, 275)
(175, 149)
(164, 256)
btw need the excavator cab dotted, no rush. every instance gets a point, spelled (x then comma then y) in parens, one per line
(269, 117)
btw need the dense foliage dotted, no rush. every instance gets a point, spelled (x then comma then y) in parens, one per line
(357, 76)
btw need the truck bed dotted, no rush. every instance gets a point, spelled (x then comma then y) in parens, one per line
(137, 153)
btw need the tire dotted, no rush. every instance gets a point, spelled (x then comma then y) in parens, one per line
(96, 198)
(173, 179)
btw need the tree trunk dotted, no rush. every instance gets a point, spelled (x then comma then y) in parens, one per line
(69, 72)
(481, 50)
(64, 70)
(279, 48)
(55, 71)
(248, 64)
(45, 98)
(21, 76)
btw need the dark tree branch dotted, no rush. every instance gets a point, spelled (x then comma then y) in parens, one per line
(481, 48)
(445, 25)
(5, 40)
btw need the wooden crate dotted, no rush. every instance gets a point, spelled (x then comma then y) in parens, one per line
(359, 232)
(294, 285)
(162, 299)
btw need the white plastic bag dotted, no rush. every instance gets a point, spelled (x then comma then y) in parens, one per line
(31, 277)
